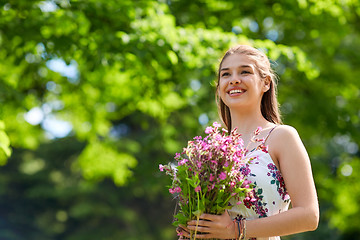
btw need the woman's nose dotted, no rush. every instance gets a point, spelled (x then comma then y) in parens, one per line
(235, 80)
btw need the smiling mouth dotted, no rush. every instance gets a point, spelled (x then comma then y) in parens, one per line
(234, 91)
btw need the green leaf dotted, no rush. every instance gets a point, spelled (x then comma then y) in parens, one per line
(5, 150)
(197, 212)
(109, 163)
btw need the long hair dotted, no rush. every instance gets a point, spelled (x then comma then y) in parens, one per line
(269, 105)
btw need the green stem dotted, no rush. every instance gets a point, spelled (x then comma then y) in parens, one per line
(190, 208)
(197, 224)
(197, 217)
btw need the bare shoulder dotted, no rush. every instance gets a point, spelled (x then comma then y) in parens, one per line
(284, 133)
(284, 138)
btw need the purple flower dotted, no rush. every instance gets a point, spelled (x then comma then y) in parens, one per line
(245, 170)
(217, 161)
(177, 189)
(161, 167)
(271, 166)
(182, 162)
(197, 138)
(215, 124)
(222, 175)
(208, 130)
(211, 178)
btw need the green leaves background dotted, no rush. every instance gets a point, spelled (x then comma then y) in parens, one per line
(143, 86)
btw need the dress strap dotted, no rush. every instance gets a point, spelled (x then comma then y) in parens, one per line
(267, 136)
(263, 142)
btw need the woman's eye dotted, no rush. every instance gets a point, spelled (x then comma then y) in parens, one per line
(225, 74)
(245, 72)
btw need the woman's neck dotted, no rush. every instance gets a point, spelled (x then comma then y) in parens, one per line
(247, 122)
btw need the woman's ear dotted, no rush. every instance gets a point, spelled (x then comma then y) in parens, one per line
(267, 83)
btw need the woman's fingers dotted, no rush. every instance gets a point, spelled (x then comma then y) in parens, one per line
(208, 217)
(212, 226)
(208, 226)
(199, 235)
(199, 228)
(184, 235)
(182, 226)
(200, 223)
(183, 232)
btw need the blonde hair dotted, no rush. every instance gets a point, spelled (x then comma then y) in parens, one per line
(269, 104)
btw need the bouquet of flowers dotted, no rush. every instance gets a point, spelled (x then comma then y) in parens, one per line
(208, 173)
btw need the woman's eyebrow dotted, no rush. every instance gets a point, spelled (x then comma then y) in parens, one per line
(242, 66)
(245, 66)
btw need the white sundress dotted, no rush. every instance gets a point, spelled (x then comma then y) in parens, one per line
(270, 195)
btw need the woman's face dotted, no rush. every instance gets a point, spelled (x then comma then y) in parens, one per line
(240, 84)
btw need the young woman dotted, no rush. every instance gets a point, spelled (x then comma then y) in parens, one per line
(246, 93)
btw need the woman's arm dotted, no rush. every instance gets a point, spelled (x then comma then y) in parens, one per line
(287, 149)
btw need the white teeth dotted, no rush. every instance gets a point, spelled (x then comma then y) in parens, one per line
(235, 91)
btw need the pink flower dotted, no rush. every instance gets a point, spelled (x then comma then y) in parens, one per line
(265, 148)
(222, 176)
(182, 162)
(216, 161)
(197, 138)
(161, 167)
(211, 178)
(258, 130)
(177, 189)
(215, 124)
(208, 130)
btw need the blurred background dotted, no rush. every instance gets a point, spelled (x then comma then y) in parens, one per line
(96, 94)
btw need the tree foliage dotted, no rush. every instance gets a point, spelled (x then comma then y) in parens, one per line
(137, 82)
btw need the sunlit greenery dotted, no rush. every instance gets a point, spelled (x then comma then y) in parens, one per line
(137, 81)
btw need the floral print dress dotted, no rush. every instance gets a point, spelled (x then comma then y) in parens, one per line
(269, 196)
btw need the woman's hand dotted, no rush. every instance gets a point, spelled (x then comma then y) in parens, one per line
(211, 226)
(182, 232)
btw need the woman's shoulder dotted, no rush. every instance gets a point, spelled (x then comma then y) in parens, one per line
(283, 135)
(283, 129)
(284, 142)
